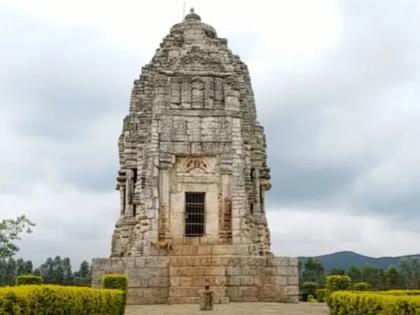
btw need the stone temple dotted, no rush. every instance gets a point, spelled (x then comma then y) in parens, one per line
(192, 180)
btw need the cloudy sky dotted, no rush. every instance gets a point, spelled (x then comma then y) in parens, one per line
(337, 85)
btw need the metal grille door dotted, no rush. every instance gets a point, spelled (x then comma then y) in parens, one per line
(194, 214)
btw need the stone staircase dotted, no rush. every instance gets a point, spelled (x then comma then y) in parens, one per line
(190, 274)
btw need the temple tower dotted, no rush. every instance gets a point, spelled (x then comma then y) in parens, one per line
(192, 180)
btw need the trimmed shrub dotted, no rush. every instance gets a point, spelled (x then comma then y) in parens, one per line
(373, 303)
(116, 281)
(320, 295)
(361, 286)
(309, 287)
(311, 299)
(400, 292)
(28, 279)
(60, 300)
(337, 283)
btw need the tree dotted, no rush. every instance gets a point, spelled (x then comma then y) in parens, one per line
(83, 276)
(68, 275)
(46, 271)
(58, 270)
(9, 272)
(23, 267)
(29, 267)
(10, 230)
(53, 270)
(372, 275)
(392, 277)
(300, 268)
(338, 272)
(10, 269)
(407, 273)
(313, 271)
(354, 273)
(409, 269)
(415, 266)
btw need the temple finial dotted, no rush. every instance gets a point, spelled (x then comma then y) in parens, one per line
(192, 15)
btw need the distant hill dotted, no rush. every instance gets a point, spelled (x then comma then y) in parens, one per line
(346, 259)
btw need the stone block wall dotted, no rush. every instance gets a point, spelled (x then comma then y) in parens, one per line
(148, 277)
(180, 279)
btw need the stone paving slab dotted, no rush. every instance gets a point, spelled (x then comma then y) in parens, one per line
(231, 309)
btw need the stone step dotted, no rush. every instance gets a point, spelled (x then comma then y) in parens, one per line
(209, 250)
(196, 300)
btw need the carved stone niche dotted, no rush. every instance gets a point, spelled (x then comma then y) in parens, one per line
(197, 93)
(175, 92)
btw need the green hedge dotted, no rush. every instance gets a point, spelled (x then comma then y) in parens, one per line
(320, 295)
(309, 287)
(59, 300)
(337, 283)
(373, 303)
(361, 286)
(312, 299)
(28, 279)
(401, 292)
(116, 281)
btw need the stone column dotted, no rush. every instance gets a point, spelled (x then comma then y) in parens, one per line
(164, 204)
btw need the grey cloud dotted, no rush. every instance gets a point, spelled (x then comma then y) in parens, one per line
(300, 180)
(61, 81)
(329, 124)
(58, 86)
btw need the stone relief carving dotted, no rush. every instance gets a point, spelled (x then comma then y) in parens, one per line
(162, 244)
(196, 163)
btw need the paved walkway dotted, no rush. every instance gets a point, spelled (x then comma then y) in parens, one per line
(231, 309)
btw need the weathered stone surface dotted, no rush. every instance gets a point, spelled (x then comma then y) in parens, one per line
(192, 128)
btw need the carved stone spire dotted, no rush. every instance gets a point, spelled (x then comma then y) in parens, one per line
(193, 175)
